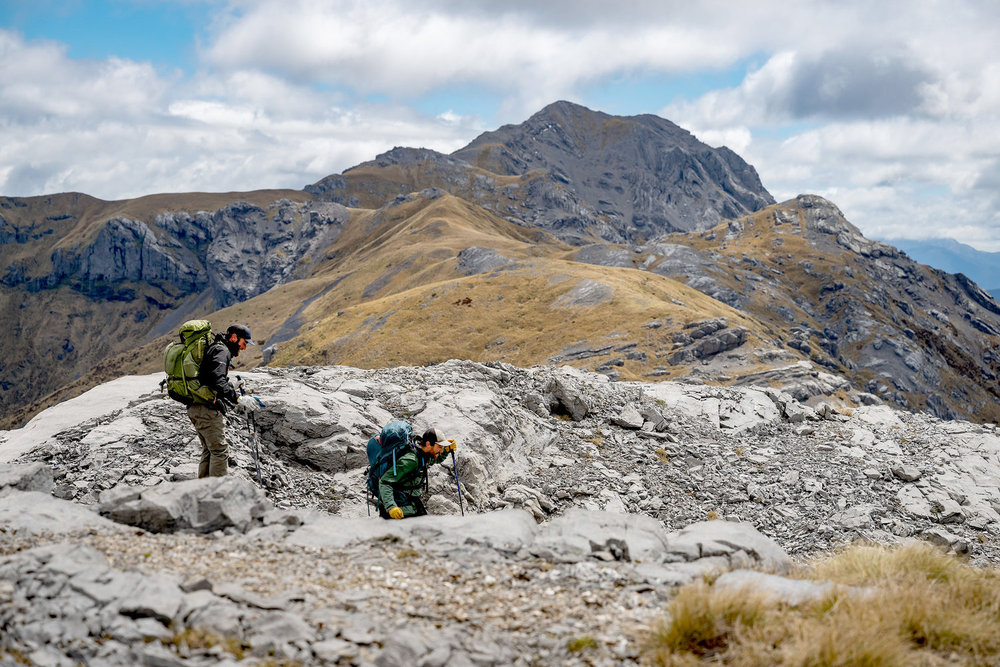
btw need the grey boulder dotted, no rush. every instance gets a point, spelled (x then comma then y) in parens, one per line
(26, 477)
(793, 592)
(581, 533)
(34, 513)
(733, 540)
(197, 505)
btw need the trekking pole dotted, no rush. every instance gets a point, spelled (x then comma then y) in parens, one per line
(252, 431)
(454, 467)
(251, 423)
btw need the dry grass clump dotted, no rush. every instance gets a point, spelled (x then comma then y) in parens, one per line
(199, 639)
(911, 605)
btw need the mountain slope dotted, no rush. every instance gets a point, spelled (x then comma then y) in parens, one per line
(917, 337)
(435, 277)
(439, 257)
(86, 279)
(642, 175)
(453, 280)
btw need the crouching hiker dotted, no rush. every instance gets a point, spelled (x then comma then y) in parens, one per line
(397, 474)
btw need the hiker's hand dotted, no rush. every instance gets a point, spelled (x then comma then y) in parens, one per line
(451, 446)
(246, 403)
(396, 513)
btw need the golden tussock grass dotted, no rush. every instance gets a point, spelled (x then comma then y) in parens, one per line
(910, 605)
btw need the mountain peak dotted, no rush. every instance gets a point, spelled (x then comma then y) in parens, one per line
(625, 178)
(562, 111)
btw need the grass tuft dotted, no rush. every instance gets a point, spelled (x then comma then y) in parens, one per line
(909, 605)
(580, 643)
(704, 621)
(200, 639)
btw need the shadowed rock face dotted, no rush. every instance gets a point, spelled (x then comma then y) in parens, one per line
(633, 178)
(239, 251)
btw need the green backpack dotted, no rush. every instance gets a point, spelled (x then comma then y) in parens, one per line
(182, 359)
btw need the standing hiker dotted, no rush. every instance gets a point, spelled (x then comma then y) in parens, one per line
(398, 470)
(207, 416)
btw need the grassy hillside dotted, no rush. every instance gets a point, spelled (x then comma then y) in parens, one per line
(393, 290)
(431, 276)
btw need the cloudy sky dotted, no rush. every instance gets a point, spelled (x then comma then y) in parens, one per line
(890, 109)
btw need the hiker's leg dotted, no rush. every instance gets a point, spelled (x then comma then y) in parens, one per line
(413, 507)
(212, 429)
(205, 454)
(206, 458)
(418, 507)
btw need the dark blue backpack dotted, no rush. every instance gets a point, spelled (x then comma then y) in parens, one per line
(384, 449)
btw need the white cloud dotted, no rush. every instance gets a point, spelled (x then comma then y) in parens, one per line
(902, 136)
(403, 49)
(39, 83)
(891, 109)
(117, 129)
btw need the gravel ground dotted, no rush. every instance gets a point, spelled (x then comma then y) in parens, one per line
(525, 611)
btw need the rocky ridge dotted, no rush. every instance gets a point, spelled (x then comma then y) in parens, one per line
(918, 338)
(585, 500)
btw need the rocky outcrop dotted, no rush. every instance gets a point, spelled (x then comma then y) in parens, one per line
(474, 260)
(704, 339)
(128, 251)
(543, 439)
(199, 505)
(31, 477)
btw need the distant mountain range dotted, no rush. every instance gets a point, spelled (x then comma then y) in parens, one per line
(617, 244)
(954, 257)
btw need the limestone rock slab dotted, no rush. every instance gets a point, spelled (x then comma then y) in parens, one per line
(26, 477)
(198, 505)
(725, 538)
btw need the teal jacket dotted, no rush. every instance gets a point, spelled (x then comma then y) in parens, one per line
(400, 488)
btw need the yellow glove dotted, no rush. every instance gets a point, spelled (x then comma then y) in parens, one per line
(396, 513)
(451, 446)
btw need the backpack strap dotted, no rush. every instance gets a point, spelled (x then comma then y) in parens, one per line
(187, 348)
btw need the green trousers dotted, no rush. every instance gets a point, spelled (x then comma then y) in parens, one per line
(211, 428)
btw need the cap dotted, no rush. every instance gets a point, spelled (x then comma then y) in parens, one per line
(241, 331)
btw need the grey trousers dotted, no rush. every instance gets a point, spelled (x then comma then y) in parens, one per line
(211, 428)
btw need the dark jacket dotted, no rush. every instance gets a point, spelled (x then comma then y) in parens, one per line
(214, 373)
